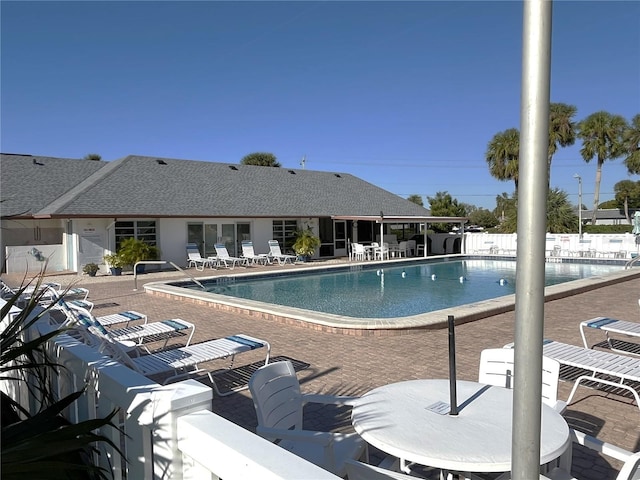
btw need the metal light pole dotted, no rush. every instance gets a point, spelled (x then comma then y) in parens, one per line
(575, 175)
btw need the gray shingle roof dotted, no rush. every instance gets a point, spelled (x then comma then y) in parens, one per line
(164, 187)
(28, 183)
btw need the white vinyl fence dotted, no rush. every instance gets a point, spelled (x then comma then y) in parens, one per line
(601, 246)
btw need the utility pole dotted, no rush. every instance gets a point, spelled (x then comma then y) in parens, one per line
(575, 175)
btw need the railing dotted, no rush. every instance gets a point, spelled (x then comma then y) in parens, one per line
(160, 262)
(166, 432)
(630, 263)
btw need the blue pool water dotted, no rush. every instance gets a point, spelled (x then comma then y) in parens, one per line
(398, 291)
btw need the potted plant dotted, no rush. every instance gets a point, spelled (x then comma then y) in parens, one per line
(115, 262)
(91, 269)
(133, 251)
(306, 244)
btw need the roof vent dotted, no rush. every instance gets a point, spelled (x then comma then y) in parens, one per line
(36, 162)
(337, 175)
(291, 172)
(160, 162)
(233, 167)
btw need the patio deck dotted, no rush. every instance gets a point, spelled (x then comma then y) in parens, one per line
(348, 364)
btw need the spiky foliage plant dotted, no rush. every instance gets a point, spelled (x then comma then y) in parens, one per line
(41, 445)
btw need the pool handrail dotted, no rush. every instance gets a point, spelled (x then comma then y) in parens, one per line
(160, 262)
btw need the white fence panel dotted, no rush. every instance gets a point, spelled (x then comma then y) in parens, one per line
(216, 448)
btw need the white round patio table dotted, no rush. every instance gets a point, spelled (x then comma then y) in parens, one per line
(401, 419)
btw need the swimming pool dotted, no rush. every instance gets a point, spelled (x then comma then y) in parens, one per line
(405, 294)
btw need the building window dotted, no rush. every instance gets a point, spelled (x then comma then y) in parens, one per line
(144, 230)
(284, 233)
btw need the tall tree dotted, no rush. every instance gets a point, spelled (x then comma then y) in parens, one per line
(561, 217)
(562, 131)
(631, 145)
(503, 202)
(502, 155)
(601, 135)
(627, 195)
(262, 159)
(444, 205)
(415, 198)
(92, 156)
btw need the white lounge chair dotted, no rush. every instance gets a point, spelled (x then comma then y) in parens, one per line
(162, 330)
(226, 259)
(249, 253)
(629, 471)
(53, 289)
(195, 259)
(125, 317)
(599, 363)
(279, 407)
(611, 325)
(48, 294)
(497, 368)
(275, 252)
(185, 361)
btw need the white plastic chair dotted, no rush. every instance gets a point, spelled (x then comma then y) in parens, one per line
(249, 253)
(359, 252)
(382, 252)
(279, 407)
(194, 259)
(275, 252)
(224, 257)
(497, 368)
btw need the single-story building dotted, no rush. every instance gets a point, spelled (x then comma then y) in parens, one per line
(74, 211)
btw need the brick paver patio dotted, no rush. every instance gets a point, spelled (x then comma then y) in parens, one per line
(345, 364)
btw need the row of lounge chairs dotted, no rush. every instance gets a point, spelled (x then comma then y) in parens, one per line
(249, 257)
(129, 344)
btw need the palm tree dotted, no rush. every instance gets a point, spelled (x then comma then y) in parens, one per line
(503, 153)
(562, 130)
(561, 217)
(631, 140)
(601, 135)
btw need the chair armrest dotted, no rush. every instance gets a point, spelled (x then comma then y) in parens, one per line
(599, 446)
(328, 399)
(319, 438)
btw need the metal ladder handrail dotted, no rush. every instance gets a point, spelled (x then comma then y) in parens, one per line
(159, 262)
(630, 263)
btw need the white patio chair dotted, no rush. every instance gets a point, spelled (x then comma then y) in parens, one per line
(279, 407)
(194, 259)
(275, 252)
(382, 252)
(359, 252)
(403, 249)
(629, 471)
(249, 253)
(497, 368)
(226, 259)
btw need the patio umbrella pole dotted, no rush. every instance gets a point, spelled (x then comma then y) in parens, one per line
(453, 401)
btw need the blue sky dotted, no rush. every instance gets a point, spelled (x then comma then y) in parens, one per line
(405, 95)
